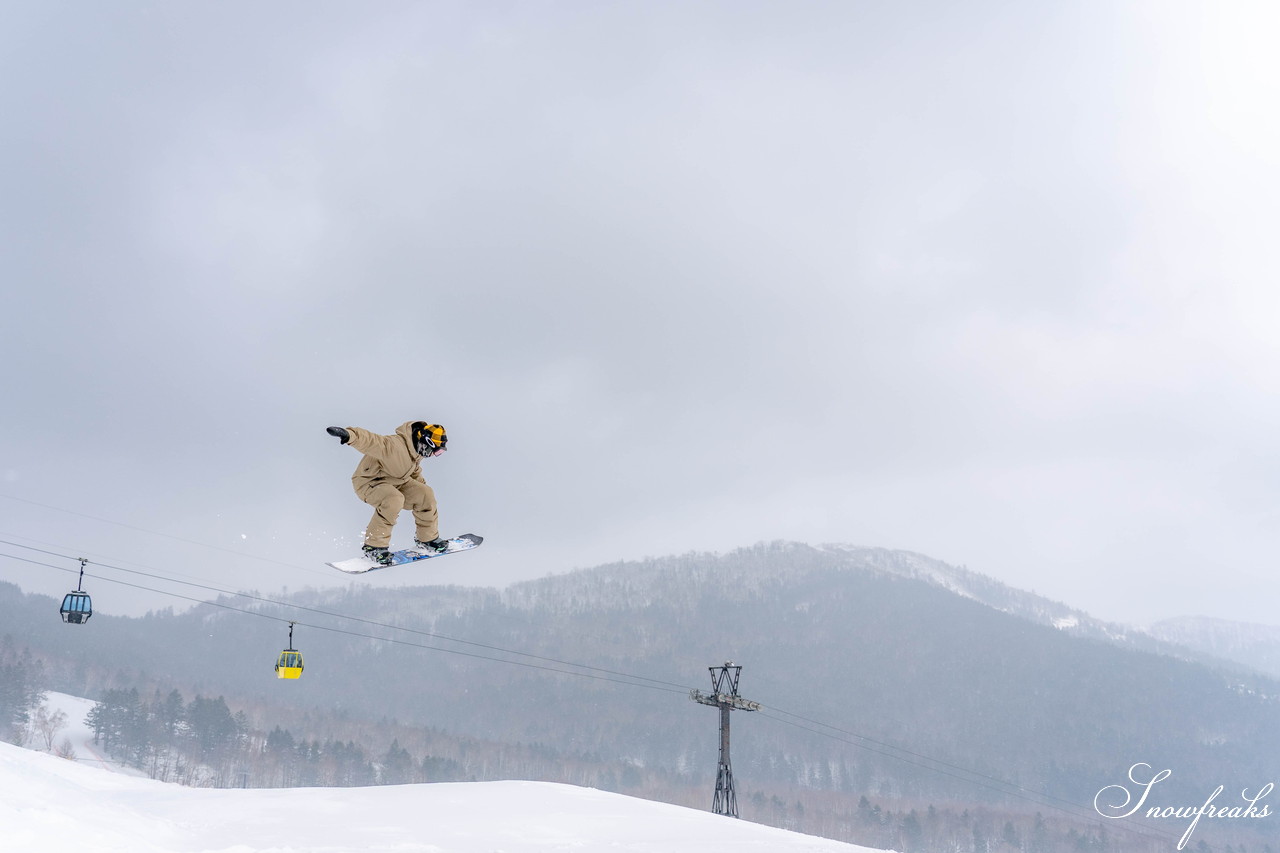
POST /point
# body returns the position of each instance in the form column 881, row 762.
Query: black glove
column 339, row 433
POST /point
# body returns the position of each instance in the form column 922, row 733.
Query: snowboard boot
column 381, row 556
column 436, row 545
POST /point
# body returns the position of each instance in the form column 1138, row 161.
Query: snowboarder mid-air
column 389, row 478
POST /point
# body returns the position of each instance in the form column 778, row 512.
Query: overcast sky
column 993, row 282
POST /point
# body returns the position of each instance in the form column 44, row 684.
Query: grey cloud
column 675, row 275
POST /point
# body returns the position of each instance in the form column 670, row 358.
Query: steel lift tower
column 724, row 681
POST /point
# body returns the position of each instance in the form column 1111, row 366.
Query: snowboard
column 362, row 564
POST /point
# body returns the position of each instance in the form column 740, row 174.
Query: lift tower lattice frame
column 724, row 695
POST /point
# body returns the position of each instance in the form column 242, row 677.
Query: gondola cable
column 394, row 640
column 371, row 622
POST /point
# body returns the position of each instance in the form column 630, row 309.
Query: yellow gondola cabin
column 289, row 664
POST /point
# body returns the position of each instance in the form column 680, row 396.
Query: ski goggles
column 429, row 439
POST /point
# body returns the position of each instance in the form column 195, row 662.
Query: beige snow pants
column 387, row 501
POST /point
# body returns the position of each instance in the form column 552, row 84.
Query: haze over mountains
column 893, row 685
column 1245, row 643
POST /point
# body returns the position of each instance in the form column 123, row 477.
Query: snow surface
column 54, row 805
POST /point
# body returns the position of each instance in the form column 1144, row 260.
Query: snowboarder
column 389, row 478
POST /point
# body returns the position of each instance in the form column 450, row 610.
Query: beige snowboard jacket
column 388, row 459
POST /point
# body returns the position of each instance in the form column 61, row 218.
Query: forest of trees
column 22, row 685
column 202, row 742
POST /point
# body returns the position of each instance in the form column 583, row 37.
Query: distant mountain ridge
column 1198, row 638
column 1250, row 644
column 641, row 577
column 986, row 590
column 1214, row 642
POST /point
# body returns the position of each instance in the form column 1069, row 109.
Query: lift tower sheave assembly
column 724, row 695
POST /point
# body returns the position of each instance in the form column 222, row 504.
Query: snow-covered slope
column 74, row 737
column 54, row 805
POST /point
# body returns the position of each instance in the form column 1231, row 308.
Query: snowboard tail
column 362, row 564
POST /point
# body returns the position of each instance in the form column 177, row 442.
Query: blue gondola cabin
column 77, row 607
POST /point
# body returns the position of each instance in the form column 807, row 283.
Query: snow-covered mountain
column 1252, row 645
column 1195, row 638
column 56, row 805
column 968, row 584
column 770, row 563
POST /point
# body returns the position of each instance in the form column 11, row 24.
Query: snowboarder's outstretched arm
column 384, row 448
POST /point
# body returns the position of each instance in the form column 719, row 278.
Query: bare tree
column 47, row 724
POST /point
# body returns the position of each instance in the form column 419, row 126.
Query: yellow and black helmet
column 429, row 439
